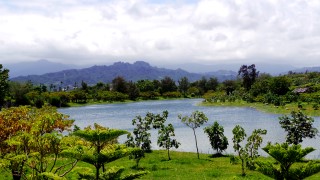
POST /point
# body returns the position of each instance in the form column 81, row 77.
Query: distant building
column 301, row 90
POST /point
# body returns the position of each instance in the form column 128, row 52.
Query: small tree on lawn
column 253, row 143
column 104, row 150
column 165, row 138
column 218, row 140
column 299, row 126
column 286, row 155
column 196, row 119
column 239, row 135
column 141, row 135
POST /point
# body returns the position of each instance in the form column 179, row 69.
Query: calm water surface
column 120, row 116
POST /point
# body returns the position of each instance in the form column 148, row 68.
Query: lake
column 120, row 115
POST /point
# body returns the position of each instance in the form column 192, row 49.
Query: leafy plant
column 165, row 138
column 298, row 126
column 239, row 135
column 286, row 155
column 218, row 140
column 195, row 120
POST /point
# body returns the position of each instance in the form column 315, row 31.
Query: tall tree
column 119, row 84
column 195, row 120
column 298, row 126
column 184, row 85
column 248, row 75
column 133, row 90
column 212, row 84
column 4, row 85
column 168, row 85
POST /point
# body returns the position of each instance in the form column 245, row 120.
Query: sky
column 161, row 32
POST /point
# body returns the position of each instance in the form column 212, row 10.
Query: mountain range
column 46, row 72
column 131, row 72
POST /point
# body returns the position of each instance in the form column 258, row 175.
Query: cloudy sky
column 161, row 31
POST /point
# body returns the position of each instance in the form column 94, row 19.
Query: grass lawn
column 269, row 108
column 183, row 166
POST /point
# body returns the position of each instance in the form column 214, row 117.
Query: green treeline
column 250, row 86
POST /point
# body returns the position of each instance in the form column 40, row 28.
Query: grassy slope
column 183, row 166
column 269, row 108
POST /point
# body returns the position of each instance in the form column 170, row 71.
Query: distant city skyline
column 161, row 32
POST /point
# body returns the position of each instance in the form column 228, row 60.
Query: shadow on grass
column 217, row 155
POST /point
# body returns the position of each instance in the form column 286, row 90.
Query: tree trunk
column 195, row 138
column 97, row 172
column 169, row 154
column 16, row 175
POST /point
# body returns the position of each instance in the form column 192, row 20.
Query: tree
column 286, row 155
column 212, row 84
column 183, row 85
column 217, row 139
column 105, row 149
column 119, row 84
column 168, row 85
column 165, row 138
column 141, row 134
column 299, row 126
column 195, row 120
column 279, row 85
column 33, row 137
column 229, row 86
column 239, row 135
column 4, row 85
column 133, row 90
column 249, row 75
column 254, row 141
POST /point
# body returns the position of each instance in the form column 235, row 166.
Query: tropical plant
column 104, row 149
column 286, row 155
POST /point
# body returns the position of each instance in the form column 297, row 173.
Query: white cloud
column 207, row 31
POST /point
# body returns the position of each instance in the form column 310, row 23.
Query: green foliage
column 217, row 138
column 195, row 120
column 141, row 134
column 286, row 155
column 239, row 135
column 184, row 85
column 298, row 126
column 165, row 139
column 248, row 75
column 34, row 141
column 104, row 150
column 254, row 141
column 4, row 84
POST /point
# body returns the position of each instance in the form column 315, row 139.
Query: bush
column 173, row 94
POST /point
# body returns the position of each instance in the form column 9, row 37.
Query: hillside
column 131, row 72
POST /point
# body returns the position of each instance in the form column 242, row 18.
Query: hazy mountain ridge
column 131, row 72
column 36, row 68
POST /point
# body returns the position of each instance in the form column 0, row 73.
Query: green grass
column 183, row 166
column 269, row 108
